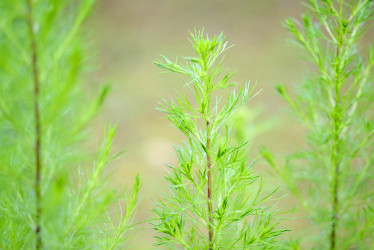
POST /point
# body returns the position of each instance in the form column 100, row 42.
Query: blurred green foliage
column 41, row 63
column 332, row 177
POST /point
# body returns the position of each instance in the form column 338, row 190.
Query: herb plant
column 333, row 176
column 214, row 200
column 47, row 201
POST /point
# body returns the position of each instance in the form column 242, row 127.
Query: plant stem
column 38, row 136
column 335, row 201
column 336, row 173
column 335, row 164
column 209, row 173
column 335, row 149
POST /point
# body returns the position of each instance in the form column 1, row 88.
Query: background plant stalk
column 38, row 136
column 335, row 104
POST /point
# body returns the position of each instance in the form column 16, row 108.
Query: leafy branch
column 214, row 203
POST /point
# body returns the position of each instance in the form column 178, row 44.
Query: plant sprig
column 335, row 104
column 47, row 200
column 214, row 202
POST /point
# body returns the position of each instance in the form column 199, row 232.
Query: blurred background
column 130, row 34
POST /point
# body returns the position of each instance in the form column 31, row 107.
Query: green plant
column 46, row 199
column 214, row 201
column 335, row 104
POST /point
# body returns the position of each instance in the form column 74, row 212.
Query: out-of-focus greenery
column 332, row 176
column 43, row 113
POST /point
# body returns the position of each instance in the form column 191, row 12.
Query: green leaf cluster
column 214, row 200
column 333, row 176
column 76, row 203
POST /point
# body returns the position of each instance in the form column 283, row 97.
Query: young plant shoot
column 335, row 104
column 214, row 200
column 47, row 201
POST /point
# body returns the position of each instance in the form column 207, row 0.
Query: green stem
column 209, row 173
column 336, row 172
column 38, row 135
column 335, row 162
column 335, row 205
